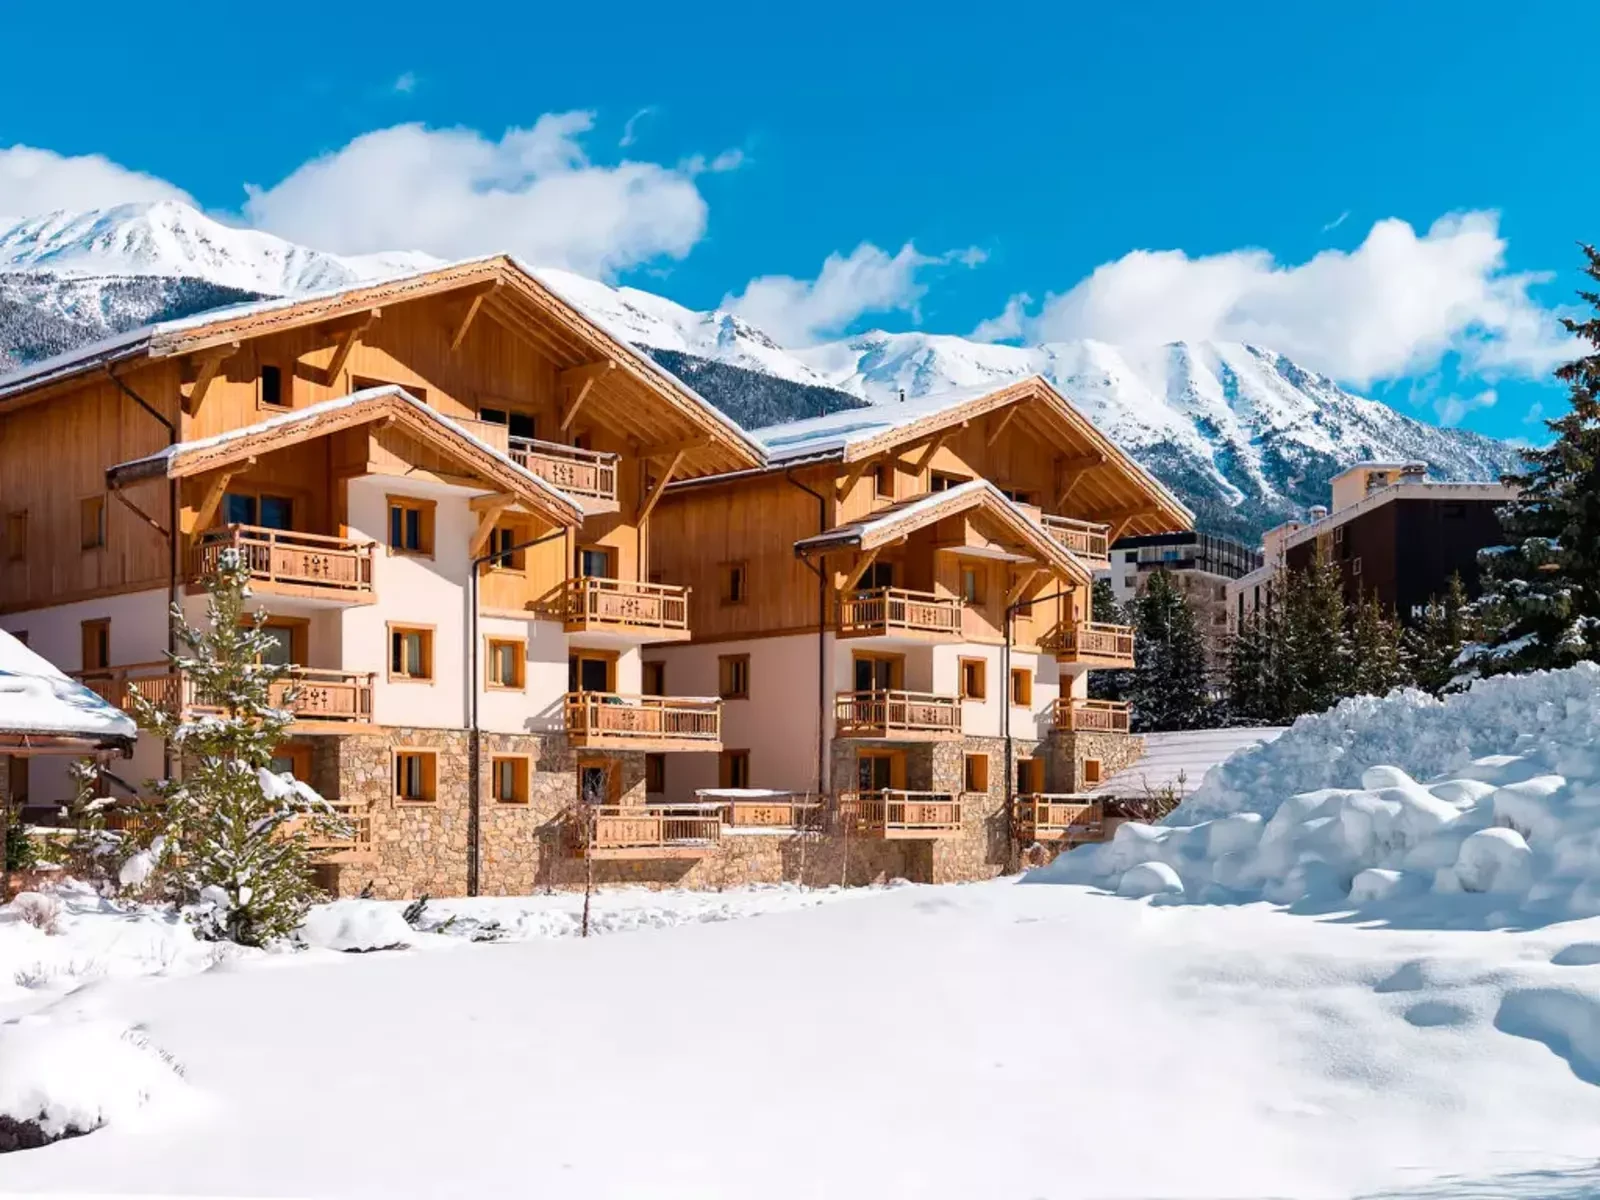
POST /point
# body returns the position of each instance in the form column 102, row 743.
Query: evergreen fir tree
column 1169, row 688
column 1253, row 694
column 1541, row 592
column 237, row 834
column 1434, row 645
column 1315, row 656
column 1104, row 609
column 90, row 852
column 1377, row 658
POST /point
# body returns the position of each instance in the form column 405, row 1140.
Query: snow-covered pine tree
column 1168, row 688
column 90, row 851
column 1104, row 609
column 1377, row 660
column 1316, row 659
column 237, row 833
column 1541, row 592
column 1253, row 693
column 1435, row 643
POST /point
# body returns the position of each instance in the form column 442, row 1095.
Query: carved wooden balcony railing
column 909, row 716
column 594, row 605
column 1095, row 644
column 584, row 473
column 896, row 815
column 1058, row 817
column 743, row 809
column 1089, row 541
column 883, row 612
column 645, row 830
column 324, row 695
column 608, row 721
column 292, row 563
column 1091, row 716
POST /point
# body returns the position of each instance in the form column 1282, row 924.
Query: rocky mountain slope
column 1247, row 436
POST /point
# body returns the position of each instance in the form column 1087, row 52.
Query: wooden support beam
column 933, row 448
column 999, row 427
column 1024, row 582
column 860, row 569
column 473, row 306
column 853, row 478
column 491, row 500
column 1073, row 471
column 487, row 516
column 661, row 485
column 212, row 500
column 210, row 363
column 139, row 512
column 575, row 377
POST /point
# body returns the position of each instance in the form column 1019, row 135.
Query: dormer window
column 272, row 393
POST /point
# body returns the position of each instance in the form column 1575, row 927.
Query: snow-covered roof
column 161, row 462
column 1496, row 493
column 1180, row 760
column 37, row 699
column 836, row 431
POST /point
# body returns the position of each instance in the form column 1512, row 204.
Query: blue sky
column 948, row 162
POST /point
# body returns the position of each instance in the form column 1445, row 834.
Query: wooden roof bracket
column 473, row 306
column 860, row 569
column 582, row 380
column 210, row 363
column 649, row 504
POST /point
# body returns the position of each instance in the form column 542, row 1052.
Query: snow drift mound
column 1483, row 808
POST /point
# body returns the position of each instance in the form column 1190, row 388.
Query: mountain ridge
column 1247, row 436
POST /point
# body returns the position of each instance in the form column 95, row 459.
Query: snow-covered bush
column 237, row 837
column 38, row 909
column 356, row 926
column 1479, row 808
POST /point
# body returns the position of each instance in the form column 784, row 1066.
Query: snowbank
column 356, row 925
column 1483, row 808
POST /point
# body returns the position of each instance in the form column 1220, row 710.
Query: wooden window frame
column 727, row 572
column 655, row 771
column 609, row 657
column 393, row 627
column 508, row 562
column 884, row 477
column 897, row 766
column 611, row 557
column 657, row 669
column 1094, row 772
column 980, row 590
column 285, row 387
column 897, row 666
column 299, row 634
column 427, row 511
column 982, row 692
column 952, row 480
column 612, row 771
column 494, row 641
column 95, row 504
column 1021, row 697
column 299, row 756
column 725, row 768
column 17, row 536
column 94, row 626
column 1033, row 769
column 429, row 776
column 975, row 780
column 521, row 779
column 727, row 665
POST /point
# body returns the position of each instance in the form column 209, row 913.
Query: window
column 411, row 653
column 975, row 773
column 277, row 512
column 654, row 679
column 733, row 676
column 1093, row 772
column 878, row 575
column 598, row 781
column 972, row 585
column 877, row 673
column 508, row 776
column 410, row 525
column 285, row 642
column 1021, row 687
column 655, row 773
column 16, row 536
column 972, row 678
column 940, row 481
column 96, row 642
column 265, row 511
column 1030, row 776
column 92, row 522
column 883, row 480
column 593, row 562
column 1016, row 496
column 506, row 660
column 734, row 583
column 1355, row 565
column 1338, row 535
column 518, row 424
column 733, row 769
column 503, row 556
column 589, row 672
column 292, row 758
column 415, row 776
column 874, row 772
column 272, row 393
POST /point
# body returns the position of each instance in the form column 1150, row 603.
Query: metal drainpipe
column 172, row 537
column 474, row 771
column 822, row 632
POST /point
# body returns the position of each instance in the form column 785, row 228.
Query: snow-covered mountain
column 1248, row 437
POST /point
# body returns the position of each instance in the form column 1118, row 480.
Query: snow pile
column 61, row 1076
column 1483, row 808
column 356, row 925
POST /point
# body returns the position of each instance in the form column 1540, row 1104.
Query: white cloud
column 456, row 193
column 1336, row 222
column 868, row 279
column 406, row 83
column 1452, row 409
column 630, row 130
column 34, row 182
column 1009, row 326
column 1394, row 306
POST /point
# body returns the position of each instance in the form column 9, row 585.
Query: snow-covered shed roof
column 359, row 408
column 42, row 710
column 887, row 525
column 1180, row 760
column 512, row 292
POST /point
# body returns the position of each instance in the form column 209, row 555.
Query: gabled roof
column 890, row 524
column 40, row 708
column 641, row 397
column 1117, row 483
column 389, row 403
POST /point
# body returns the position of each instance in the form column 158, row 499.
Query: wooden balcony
column 1092, row 644
column 771, row 810
column 897, row 716
column 1089, row 541
column 1058, row 817
column 1091, row 716
column 897, row 816
column 897, row 613
column 647, row 831
column 585, row 474
column 655, row 612
column 326, row 697
column 286, row 563
column 607, row 721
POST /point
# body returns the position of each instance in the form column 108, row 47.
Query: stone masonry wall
column 1066, row 751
